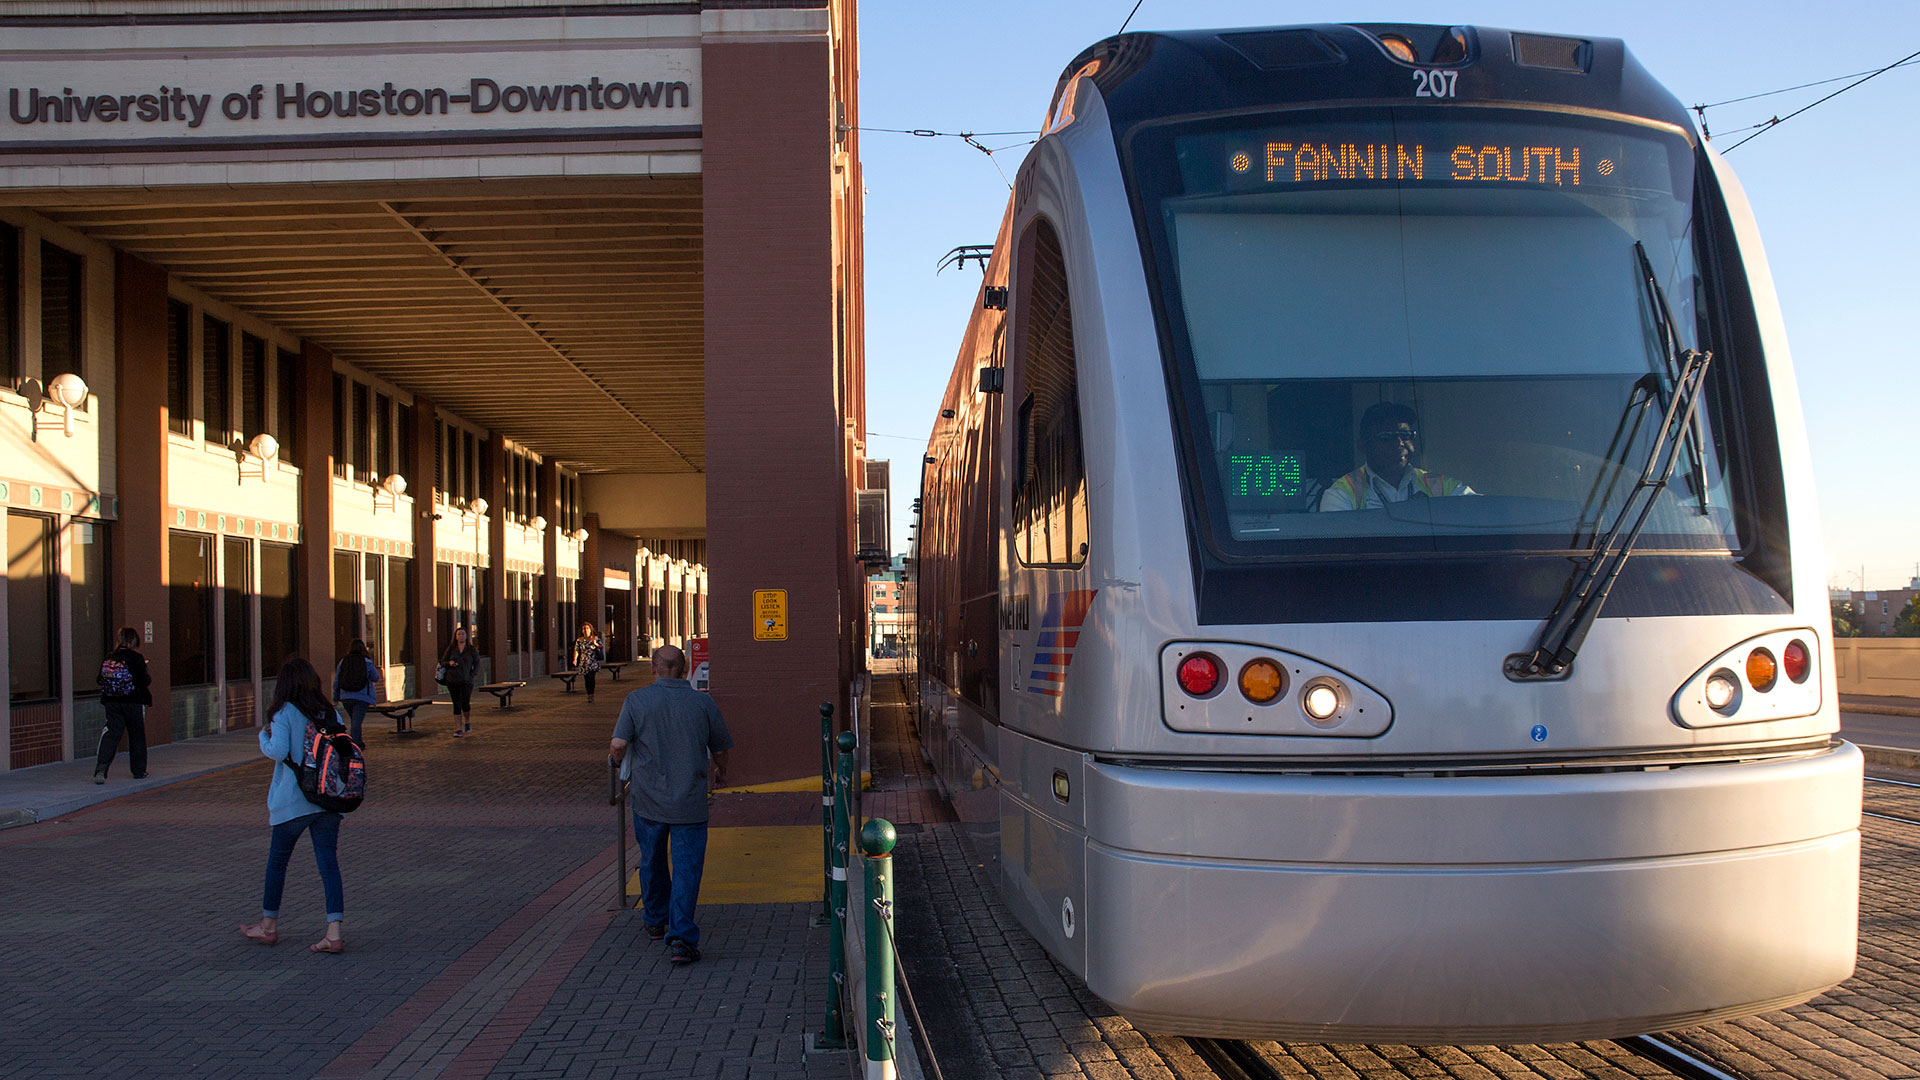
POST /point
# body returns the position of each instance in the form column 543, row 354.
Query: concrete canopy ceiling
column 566, row 314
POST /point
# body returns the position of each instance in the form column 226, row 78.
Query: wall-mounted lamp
column 262, row 450
column 67, row 390
column 538, row 523
column 579, row 535
column 389, row 490
column 478, row 508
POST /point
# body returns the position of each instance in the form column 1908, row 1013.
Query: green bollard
column 834, row 1035
column 877, row 838
column 826, row 808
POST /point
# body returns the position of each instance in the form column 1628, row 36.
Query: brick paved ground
column 997, row 1005
column 483, row 941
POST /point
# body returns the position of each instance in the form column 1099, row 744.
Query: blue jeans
column 356, row 712
column 667, row 896
column 326, row 854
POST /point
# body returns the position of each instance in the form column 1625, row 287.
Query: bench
column 613, row 668
column 503, row 692
column 567, row 677
column 402, row 712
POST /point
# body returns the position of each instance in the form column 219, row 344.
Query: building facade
column 339, row 320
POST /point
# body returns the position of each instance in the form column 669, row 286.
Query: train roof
column 1158, row 75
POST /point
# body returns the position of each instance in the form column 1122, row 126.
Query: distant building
column 1878, row 609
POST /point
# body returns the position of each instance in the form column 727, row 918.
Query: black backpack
column 353, row 673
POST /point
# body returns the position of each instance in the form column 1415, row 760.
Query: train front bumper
column 1469, row 909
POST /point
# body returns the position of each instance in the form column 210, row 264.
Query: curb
column 1891, row 757
column 13, row 817
column 1879, row 710
column 10, row 818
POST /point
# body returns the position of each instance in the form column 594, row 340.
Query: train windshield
column 1404, row 333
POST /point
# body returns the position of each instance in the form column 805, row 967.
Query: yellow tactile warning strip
column 804, row 783
column 757, row 864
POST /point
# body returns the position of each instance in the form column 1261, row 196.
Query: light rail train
column 1275, row 603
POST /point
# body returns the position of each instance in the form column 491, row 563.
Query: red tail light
column 1199, row 675
column 1796, row 661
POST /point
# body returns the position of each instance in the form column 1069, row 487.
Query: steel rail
column 1896, row 783
column 1682, row 1061
column 1233, row 1060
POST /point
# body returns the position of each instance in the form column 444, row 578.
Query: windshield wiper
column 1567, row 628
column 1670, row 344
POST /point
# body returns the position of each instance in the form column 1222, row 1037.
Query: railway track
column 1232, row 1060
column 1891, row 817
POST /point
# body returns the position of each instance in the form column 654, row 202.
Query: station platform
column 485, row 935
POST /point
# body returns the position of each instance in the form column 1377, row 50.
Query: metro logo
column 1059, row 634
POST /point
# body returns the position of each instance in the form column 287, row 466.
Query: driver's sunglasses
column 1407, row 435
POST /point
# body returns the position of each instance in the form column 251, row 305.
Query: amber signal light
column 1199, row 675
column 1262, row 682
column 1762, row 671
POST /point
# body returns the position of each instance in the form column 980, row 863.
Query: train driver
column 1389, row 440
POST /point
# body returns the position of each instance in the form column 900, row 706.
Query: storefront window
column 373, row 619
column 190, row 607
column 400, row 610
column 236, row 592
column 91, row 599
column 32, row 624
column 279, row 606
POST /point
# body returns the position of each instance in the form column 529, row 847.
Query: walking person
column 460, row 669
column 124, row 695
column 353, row 684
column 676, row 738
column 588, row 653
column 297, row 701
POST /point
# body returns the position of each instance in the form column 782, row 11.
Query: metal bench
column 566, row 677
column 503, row 692
column 613, row 668
column 402, row 712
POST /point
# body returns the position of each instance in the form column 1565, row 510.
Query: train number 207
column 1434, row 83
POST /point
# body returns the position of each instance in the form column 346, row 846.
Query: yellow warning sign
column 770, row 615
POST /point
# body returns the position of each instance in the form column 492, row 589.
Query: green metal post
column 826, row 808
column 833, row 1036
column 877, row 838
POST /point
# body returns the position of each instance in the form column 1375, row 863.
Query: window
column 539, row 613
column 362, row 433
column 383, row 436
column 32, row 619
column 179, row 348
column 1050, row 476
column 279, row 606
column 236, row 576
column 373, row 608
column 341, row 422
column 346, row 602
column 10, row 302
column 404, row 449
column 469, row 471
column 253, row 386
column 62, row 286
column 400, row 611
column 92, row 597
column 443, row 608
column 286, row 427
column 190, row 607
column 216, row 354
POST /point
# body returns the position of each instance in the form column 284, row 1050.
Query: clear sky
column 1834, row 191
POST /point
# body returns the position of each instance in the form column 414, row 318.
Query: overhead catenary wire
column 971, row 138
column 1776, row 121
column 1130, row 15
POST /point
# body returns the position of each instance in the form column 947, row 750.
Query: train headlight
column 1199, row 675
column 1321, row 700
column 1762, row 672
column 1262, row 681
column 1721, row 690
column 1796, row 660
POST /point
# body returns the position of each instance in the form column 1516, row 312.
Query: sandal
column 329, row 945
column 264, row 936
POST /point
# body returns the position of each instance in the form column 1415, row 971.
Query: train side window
column 1050, row 476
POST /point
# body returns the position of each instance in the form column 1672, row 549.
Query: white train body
column 1455, row 855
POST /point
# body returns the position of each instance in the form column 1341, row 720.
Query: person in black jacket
column 124, row 695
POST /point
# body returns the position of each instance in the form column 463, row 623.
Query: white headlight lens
column 1321, row 701
column 1720, row 691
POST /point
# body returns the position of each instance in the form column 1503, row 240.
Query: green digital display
column 1263, row 475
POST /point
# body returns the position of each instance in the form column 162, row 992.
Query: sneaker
column 139, row 776
column 99, row 778
column 655, row 933
column 679, row 952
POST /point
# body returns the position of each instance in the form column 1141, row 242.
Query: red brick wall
column 776, row 496
column 140, row 429
column 35, row 734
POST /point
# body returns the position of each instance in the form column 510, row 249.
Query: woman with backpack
column 125, row 697
column 353, row 683
column 460, row 669
column 588, row 654
column 298, row 702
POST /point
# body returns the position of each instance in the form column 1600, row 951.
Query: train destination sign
column 1611, row 158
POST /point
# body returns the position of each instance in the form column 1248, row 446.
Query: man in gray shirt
column 676, row 736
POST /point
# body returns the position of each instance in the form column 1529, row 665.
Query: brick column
column 420, row 481
column 316, row 509
column 493, row 488
column 549, row 613
column 775, row 494
column 140, row 433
